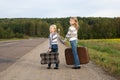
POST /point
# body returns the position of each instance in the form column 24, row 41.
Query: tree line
column 90, row 27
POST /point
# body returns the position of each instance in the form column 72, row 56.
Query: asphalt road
column 28, row 67
column 11, row 51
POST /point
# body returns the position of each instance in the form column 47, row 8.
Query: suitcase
column 49, row 58
column 82, row 54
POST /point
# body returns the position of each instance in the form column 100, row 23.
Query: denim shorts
column 54, row 48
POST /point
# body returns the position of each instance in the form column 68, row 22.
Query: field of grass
column 104, row 52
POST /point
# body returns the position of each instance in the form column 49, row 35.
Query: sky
column 59, row 8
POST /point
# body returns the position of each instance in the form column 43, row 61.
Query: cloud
column 59, row 8
column 106, row 13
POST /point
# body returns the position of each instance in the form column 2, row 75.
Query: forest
column 90, row 27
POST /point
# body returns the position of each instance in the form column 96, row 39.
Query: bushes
column 22, row 27
column 19, row 35
column 8, row 33
column 90, row 27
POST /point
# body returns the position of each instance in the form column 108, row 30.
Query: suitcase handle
column 49, row 52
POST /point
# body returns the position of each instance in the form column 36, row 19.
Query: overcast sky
column 59, row 8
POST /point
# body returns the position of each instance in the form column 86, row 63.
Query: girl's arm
column 68, row 34
column 60, row 39
column 49, row 45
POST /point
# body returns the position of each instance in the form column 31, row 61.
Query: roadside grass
column 104, row 52
column 9, row 39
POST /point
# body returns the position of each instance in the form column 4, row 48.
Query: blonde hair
column 76, row 25
column 55, row 27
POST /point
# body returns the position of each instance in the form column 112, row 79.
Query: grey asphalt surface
column 11, row 51
column 28, row 67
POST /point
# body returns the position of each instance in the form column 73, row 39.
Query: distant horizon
column 57, row 17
